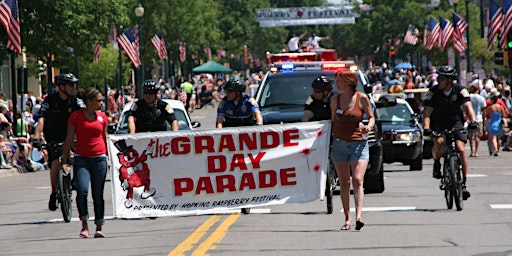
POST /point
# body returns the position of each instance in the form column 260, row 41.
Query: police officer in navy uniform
column 445, row 107
column 53, row 123
column 150, row 113
column 238, row 109
column 318, row 104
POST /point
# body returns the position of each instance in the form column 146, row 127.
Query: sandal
column 346, row 227
column 84, row 233
column 99, row 234
column 359, row 225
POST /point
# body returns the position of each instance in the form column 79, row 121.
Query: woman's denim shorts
column 346, row 151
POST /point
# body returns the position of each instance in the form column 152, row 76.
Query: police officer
column 53, row 123
column 318, row 104
column 150, row 113
column 238, row 109
column 446, row 104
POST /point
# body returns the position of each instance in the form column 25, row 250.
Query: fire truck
column 282, row 93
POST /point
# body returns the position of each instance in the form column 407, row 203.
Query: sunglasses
column 317, row 91
column 150, row 92
column 440, row 79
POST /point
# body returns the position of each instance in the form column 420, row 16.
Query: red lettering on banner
column 266, row 136
column 286, row 176
column 226, row 141
column 183, row 185
column 217, row 163
column 238, row 161
column 288, row 136
column 180, row 146
column 247, row 181
column 225, row 182
column 204, row 143
column 256, row 161
column 231, row 183
column 249, row 142
column 204, row 184
column 267, row 179
column 165, row 149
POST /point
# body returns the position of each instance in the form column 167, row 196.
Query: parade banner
column 211, row 171
column 303, row 16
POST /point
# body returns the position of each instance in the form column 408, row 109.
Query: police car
column 284, row 89
column 180, row 113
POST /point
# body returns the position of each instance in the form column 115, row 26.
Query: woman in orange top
column 349, row 148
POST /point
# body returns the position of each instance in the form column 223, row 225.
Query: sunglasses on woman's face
column 150, row 92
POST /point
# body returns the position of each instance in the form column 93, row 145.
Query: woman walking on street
column 90, row 162
column 349, row 148
column 498, row 116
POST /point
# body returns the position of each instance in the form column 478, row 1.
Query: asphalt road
column 409, row 218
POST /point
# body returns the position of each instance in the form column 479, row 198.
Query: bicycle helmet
column 150, row 85
column 66, row 78
column 322, row 83
column 234, row 85
column 447, row 71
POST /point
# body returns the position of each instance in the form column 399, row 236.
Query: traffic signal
column 498, row 58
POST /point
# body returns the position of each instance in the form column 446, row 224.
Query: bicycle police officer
column 238, row 109
column 445, row 107
column 150, row 113
column 53, row 122
column 318, row 104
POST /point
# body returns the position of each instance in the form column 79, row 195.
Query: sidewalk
column 8, row 172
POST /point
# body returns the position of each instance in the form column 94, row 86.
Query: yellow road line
column 216, row 236
column 195, row 236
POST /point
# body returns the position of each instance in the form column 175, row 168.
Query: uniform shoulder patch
column 169, row 109
column 253, row 102
column 45, row 106
column 309, row 100
column 429, row 95
column 134, row 107
column 464, row 92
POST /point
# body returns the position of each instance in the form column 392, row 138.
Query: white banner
column 210, row 171
column 275, row 17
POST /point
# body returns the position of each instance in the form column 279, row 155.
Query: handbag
column 484, row 135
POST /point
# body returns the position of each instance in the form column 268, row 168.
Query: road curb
column 9, row 172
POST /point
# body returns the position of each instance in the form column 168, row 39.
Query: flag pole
column 14, row 95
column 120, row 62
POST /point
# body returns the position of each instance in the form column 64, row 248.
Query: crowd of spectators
column 388, row 80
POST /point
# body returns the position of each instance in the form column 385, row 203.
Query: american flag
column 446, row 32
column 97, row 48
column 409, row 37
column 11, row 22
column 221, row 53
column 507, row 24
column 129, row 42
column 461, row 27
column 112, row 37
column 208, row 52
column 434, row 33
column 495, row 24
column 183, row 51
column 183, row 96
column 159, row 44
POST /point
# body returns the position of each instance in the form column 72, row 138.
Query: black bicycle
column 330, row 186
column 452, row 180
column 64, row 187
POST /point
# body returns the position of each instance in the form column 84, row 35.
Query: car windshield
column 290, row 91
column 398, row 114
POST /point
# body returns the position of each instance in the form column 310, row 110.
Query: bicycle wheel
column 330, row 185
column 456, row 185
column 64, row 195
column 447, row 180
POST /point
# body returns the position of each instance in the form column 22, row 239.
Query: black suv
column 281, row 97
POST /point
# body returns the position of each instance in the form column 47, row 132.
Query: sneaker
column 465, row 193
column 52, row 204
column 436, row 173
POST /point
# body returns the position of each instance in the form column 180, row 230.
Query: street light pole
column 457, row 64
column 468, row 57
column 139, row 12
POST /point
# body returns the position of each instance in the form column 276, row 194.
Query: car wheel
column 417, row 164
column 375, row 183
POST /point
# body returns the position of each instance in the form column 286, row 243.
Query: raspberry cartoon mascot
column 134, row 171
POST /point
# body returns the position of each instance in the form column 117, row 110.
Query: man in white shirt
column 314, row 40
column 478, row 102
column 293, row 43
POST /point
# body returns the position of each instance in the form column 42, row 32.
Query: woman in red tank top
column 349, row 149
